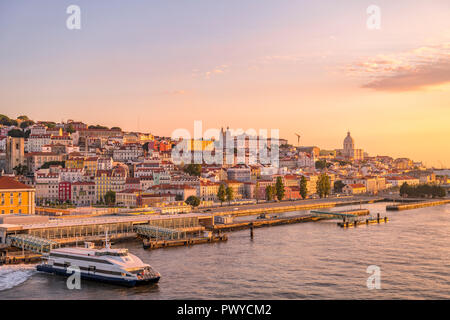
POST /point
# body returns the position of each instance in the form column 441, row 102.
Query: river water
column 315, row 260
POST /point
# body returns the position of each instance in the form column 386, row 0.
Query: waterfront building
column 209, row 190
column 182, row 191
column 354, row 188
column 47, row 186
column 397, row 181
column 238, row 188
column 16, row 197
column 83, row 193
column 64, row 191
column 109, row 180
column 128, row 197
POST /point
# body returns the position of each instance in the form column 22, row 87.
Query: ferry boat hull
column 98, row 278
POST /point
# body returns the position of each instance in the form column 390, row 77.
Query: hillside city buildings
column 80, row 165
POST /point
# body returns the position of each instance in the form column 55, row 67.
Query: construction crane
column 298, row 139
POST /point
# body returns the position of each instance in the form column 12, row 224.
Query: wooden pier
column 156, row 244
column 416, row 205
column 355, row 223
column 18, row 257
column 296, row 206
column 262, row 223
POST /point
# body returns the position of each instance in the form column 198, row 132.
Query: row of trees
column 278, row 191
column 225, row 193
column 323, row 185
column 422, row 191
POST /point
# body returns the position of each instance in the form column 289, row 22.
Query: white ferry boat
column 116, row 266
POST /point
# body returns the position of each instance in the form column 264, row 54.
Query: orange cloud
column 412, row 70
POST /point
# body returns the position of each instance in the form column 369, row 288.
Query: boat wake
column 14, row 275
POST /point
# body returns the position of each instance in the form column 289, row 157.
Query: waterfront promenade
column 287, row 205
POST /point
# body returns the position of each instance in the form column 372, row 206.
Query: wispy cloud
column 175, row 92
column 224, row 68
column 412, row 70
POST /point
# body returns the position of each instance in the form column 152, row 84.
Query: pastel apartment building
column 16, row 197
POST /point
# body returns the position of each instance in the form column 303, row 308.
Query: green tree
column 303, row 187
column 279, row 189
column 25, row 124
column 110, row 197
column 222, row 194
column 70, row 129
column 21, row 170
column 230, row 194
column 193, row 201
column 257, row 192
column 323, row 185
column 6, row 121
column 98, row 127
column 338, row 185
column 270, row 193
column 193, row 169
column 16, row 133
column 47, row 164
column 321, row 164
column 404, row 189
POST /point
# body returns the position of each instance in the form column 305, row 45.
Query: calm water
column 301, row 261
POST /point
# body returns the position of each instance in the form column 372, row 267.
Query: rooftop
column 8, row 183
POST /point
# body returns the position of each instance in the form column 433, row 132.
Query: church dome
column 348, row 141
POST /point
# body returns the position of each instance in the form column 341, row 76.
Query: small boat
column 116, row 266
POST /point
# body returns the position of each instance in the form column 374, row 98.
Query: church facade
column 349, row 152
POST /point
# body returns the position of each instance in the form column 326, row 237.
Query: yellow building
column 89, row 164
column 74, row 163
column 16, row 197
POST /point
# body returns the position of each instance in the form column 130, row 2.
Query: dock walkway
column 416, row 205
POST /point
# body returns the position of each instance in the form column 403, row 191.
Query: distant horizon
column 224, row 126
column 315, row 69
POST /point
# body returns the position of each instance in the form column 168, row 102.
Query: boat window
column 136, row 271
column 112, row 254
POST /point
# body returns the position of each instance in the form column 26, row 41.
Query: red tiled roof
column 10, row 183
column 356, row 185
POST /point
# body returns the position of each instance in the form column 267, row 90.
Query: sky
column 307, row 67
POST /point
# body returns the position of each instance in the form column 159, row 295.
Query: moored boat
column 116, row 266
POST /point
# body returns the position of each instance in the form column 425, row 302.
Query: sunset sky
column 311, row 67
